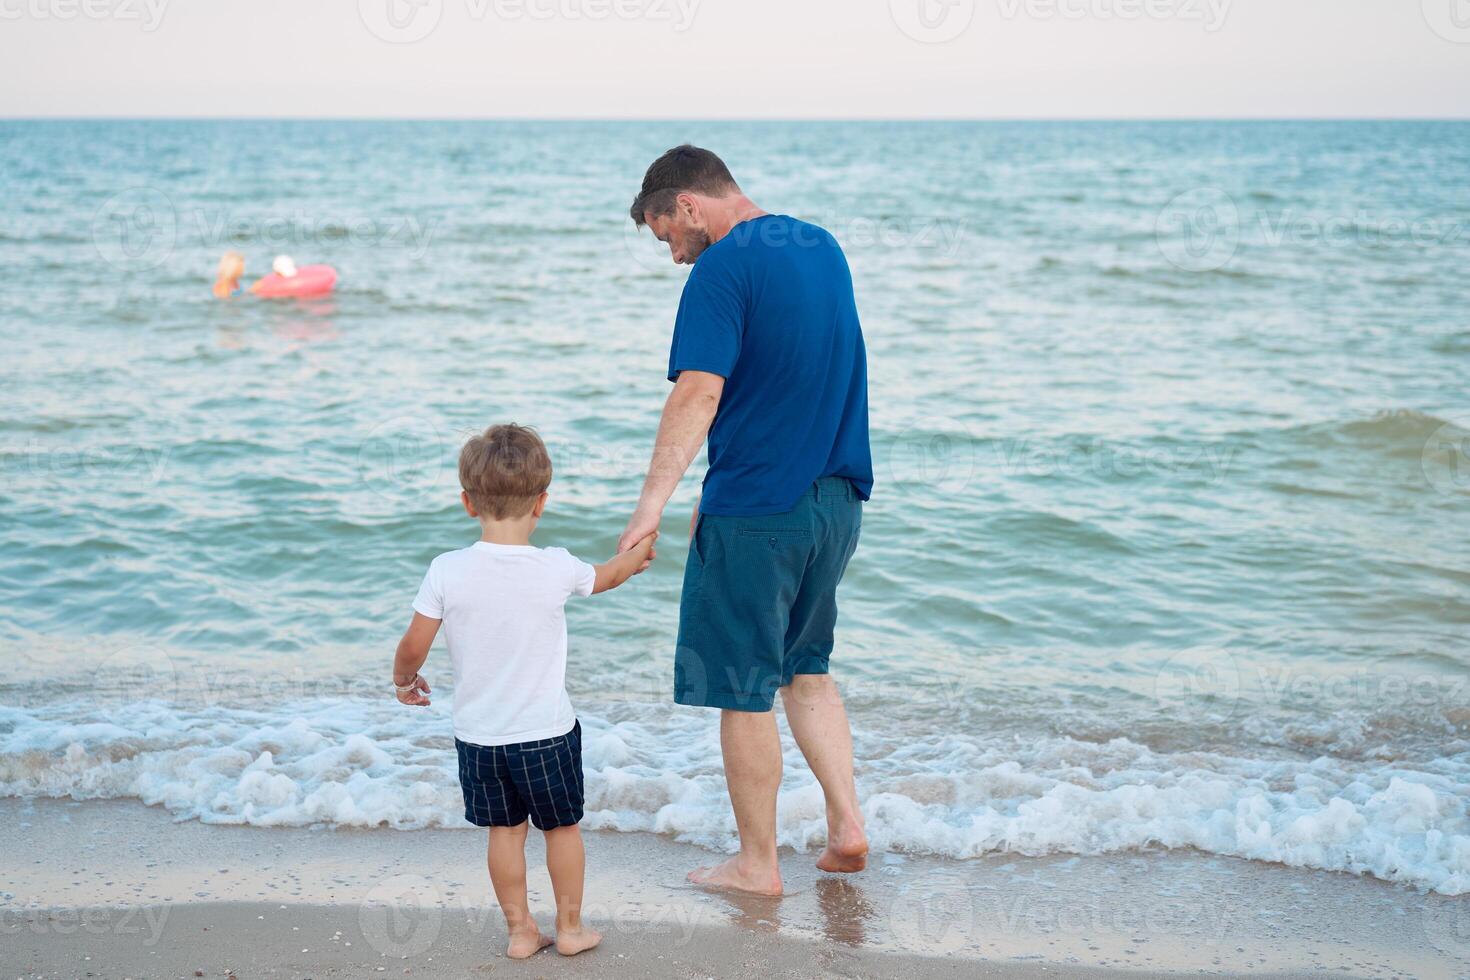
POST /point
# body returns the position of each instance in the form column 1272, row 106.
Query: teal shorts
column 760, row 598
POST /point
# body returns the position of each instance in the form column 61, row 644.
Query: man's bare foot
column 572, row 942
column 847, row 849
column 732, row 875
column 526, row 943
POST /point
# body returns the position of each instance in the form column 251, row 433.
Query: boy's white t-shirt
column 504, row 622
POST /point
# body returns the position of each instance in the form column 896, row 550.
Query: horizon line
column 730, row 119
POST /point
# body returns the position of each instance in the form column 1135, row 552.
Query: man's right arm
column 688, row 414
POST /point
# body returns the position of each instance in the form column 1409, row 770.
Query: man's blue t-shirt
column 770, row 308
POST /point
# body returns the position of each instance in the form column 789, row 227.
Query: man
column 768, row 361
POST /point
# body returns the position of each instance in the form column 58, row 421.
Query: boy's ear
column 537, row 510
column 469, row 508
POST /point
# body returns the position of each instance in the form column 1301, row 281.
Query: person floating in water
column 227, row 280
column 285, row 280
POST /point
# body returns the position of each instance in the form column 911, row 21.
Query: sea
column 1168, row 547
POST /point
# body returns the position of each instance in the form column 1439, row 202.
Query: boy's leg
column 566, row 860
column 507, row 861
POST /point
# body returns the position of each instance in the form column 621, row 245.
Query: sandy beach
column 116, row 889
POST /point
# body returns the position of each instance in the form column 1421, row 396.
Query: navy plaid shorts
column 503, row 784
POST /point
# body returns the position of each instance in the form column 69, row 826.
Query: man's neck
column 729, row 212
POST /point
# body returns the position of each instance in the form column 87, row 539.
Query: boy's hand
column 639, row 528
column 415, row 693
column 625, row 564
column 644, row 550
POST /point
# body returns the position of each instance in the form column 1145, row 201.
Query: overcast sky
column 736, row 58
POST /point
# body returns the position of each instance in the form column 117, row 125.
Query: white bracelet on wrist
column 407, row 687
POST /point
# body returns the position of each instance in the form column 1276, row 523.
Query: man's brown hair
column 504, row 469
column 679, row 171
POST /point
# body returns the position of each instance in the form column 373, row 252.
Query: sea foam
column 347, row 762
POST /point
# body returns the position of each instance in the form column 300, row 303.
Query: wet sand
column 115, row 889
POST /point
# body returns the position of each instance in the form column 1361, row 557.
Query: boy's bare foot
column 847, row 849
column 526, row 943
column 733, row 876
column 572, row 942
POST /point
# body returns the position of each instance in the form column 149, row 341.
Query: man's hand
column 640, row 526
column 417, row 692
column 685, row 422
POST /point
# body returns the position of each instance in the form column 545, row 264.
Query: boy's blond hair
column 504, row 469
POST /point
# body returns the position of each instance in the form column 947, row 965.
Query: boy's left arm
column 413, row 650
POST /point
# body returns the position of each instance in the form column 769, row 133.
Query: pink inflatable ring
column 310, row 280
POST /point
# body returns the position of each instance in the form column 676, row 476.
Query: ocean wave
column 355, row 763
column 1400, row 433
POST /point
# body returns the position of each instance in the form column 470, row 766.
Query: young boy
column 519, row 743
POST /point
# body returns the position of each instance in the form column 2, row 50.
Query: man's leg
column 752, row 751
column 819, row 721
